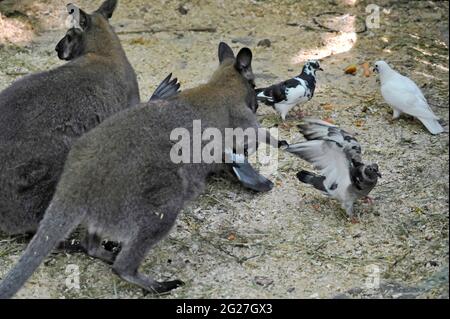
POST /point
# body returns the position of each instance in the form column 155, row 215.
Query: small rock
column 266, row 43
column 291, row 289
column 183, row 10
column 263, row 281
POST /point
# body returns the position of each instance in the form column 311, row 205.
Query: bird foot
column 285, row 126
column 368, row 200
column 354, row 220
column 299, row 114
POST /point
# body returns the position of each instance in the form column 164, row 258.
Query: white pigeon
column 404, row 96
column 337, row 155
column 285, row 95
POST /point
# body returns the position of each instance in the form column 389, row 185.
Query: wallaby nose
column 58, row 47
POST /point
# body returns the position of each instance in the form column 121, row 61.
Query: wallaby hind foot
column 130, row 258
column 92, row 244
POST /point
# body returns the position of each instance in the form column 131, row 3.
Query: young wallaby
column 41, row 115
column 119, row 180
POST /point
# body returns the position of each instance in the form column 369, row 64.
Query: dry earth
column 290, row 242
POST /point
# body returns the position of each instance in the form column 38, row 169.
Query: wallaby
column 68, row 49
column 119, row 180
column 41, row 115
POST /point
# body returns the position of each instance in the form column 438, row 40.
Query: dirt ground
column 290, row 242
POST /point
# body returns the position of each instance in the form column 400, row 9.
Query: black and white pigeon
column 166, row 89
column 337, row 155
column 287, row 94
column 240, row 165
column 404, row 96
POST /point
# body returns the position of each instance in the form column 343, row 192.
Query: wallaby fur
column 42, row 115
column 119, row 181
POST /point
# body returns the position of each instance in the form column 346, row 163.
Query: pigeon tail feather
column 432, row 125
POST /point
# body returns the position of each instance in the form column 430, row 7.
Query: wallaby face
column 43, row 114
column 95, row 34
column 72, row 45
column 120, row 181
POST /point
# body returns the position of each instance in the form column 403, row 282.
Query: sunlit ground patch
column 333, row 42
column 14, row 31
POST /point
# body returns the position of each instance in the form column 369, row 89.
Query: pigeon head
column 311, row 66
column 381, row 66
column 372, row 172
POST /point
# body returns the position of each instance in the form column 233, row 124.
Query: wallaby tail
column 55, row 226
column 432, row 125
column 312, row 179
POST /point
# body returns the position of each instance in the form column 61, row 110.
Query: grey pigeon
column 404, row 96
column 337, row 155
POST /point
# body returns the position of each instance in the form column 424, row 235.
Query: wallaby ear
column 79, row 17
column 225, row 52
column 84, row 20
column 244, row 59
column 107, row 8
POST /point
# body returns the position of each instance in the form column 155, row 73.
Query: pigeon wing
column 166, row 89
column 313, row 129
column 272, row 94
column 246, row 174
column 330, row 159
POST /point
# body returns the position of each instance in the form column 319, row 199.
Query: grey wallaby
column 41, row 116
column 71, row 45
column 119, row 180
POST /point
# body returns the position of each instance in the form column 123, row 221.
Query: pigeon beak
column 320, row 69
column 375, row 70
column 379, row 174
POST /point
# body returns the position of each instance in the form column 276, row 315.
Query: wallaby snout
column 60, row 50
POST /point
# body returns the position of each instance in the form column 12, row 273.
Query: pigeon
column 239, row 164
column 337, row 155
column 285, row 95
column 166, row 89
column 246, row 174
column 404, row 96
